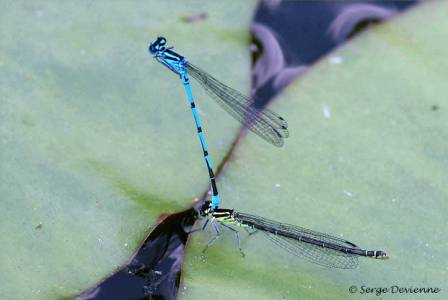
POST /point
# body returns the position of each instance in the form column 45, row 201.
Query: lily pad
column 366, row 161
column 98, row 138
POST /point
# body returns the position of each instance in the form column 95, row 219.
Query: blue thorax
column 171, row 59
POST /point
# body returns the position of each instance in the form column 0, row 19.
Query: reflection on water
column 288, row 36
column 154, row 272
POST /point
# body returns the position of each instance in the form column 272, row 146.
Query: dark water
column 293, row 35
column 154, row 272
column 288, row 37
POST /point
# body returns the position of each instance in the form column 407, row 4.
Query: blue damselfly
column 265, row 123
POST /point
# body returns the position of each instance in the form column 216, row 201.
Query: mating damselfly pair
column 319, row 248
column 265, row 123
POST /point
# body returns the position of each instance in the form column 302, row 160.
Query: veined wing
column 264, row 122
column 289, row 237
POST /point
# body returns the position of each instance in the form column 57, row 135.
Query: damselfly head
column 157, row 45
column 205, row 208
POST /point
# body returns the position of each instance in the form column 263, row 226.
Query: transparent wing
column 315, row 254
column 264, row 122
column 288, row 236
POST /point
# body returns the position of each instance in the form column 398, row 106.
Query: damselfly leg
column 217, row 231
column 237, row 236
column 200, row 228
column 217, row 235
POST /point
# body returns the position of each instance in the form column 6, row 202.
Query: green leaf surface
column 97, row 137
column 366, row 160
